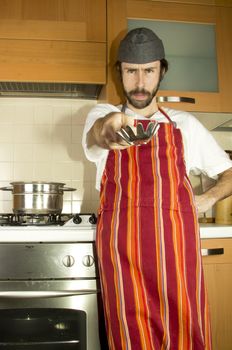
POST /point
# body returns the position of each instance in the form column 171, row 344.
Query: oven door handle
column 46, row 294
column 59, row 342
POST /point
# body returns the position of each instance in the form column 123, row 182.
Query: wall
column 40, row 140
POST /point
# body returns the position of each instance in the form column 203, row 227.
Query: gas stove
column 48, row 227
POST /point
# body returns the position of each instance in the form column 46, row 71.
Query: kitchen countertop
column 39, row 234
column 72, row 234
column 215, row 231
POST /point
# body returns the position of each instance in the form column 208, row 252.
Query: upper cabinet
column 198, row 47
column 53, row 40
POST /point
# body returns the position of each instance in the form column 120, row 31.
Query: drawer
column 216, row 250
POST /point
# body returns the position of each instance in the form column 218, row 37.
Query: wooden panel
column 116, row 29
column 25, row 60
column 217, row 272
column 79, row 19
column 198, row 2
column 170, row 11
column 219, row 286
column 218, row 243
column 204, row 102
column 49, row 30
column 224, row 49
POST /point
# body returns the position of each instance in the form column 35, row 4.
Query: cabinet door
column 53, row 41
column 218, row 272
column 73, row 20
column 220, row 17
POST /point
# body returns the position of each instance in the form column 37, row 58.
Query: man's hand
column 221, row 190
column 103, row 132
column 204, row 202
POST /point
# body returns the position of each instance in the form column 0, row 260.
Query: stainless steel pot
column 37, row 197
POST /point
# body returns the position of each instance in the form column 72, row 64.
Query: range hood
column 57, row 90
column 227, row 126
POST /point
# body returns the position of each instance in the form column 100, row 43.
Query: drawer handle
column 212, row 251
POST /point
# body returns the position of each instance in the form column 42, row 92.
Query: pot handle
column 68, row 189
column 6, row 188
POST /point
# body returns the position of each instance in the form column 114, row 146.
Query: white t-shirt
column 201, row 152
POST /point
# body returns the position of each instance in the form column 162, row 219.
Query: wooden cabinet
column 209, row 13
column 53, row 40
column 218, row 272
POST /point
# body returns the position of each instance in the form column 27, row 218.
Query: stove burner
column 42, row 219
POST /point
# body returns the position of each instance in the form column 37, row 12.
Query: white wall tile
column 80, row 111
column 6, row 152
column 61, row 152
column 62, row 134
column 77, row 132
column 23, row 133
column 77, row 153
column 62, row 115
column 23, row 152
column 62, row 171
column 43, row 152
column 8, row 113
column 5, row 195
column 76, row 207
column 83, row 191
column 23, row 171
column 6, row 133
column 6, row 171
column 42, row 171
column 24, row 114
column 42, row 133
column 67, row 207
column 43, row 113
column 5, row 206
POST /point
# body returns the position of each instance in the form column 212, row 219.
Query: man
column 148, row 235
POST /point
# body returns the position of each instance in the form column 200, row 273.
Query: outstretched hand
column 103, row 132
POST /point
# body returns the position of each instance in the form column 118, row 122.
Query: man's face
column 140, row 82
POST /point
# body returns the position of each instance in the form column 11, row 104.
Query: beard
column 144, row 103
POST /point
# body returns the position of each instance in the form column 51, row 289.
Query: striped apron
column 148, row 248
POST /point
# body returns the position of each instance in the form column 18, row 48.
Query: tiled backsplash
column 40, row 140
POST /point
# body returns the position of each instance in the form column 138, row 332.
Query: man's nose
column 140, row 80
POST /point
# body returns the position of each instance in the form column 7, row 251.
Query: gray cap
column 141, row 45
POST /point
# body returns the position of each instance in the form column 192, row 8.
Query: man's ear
column 162, row 73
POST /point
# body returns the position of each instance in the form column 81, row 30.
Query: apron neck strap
column 124, row 107
column 166, row 116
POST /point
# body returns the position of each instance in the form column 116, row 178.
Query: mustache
column 139, row 91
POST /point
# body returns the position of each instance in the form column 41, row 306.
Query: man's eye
column 149, row 70
column 131, row 71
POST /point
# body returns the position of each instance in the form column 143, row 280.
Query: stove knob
column 68, row 261
column 93, row 219
column 88, row 260
column 77, row 219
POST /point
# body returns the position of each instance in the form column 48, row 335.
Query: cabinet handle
column 212, row 251
column 175, row 99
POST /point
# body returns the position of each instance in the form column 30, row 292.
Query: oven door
column 50, row 315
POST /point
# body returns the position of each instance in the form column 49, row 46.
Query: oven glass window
column 43, row 329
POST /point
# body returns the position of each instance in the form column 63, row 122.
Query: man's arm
column 221, row 190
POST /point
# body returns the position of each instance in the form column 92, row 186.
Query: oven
column 49, row 286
